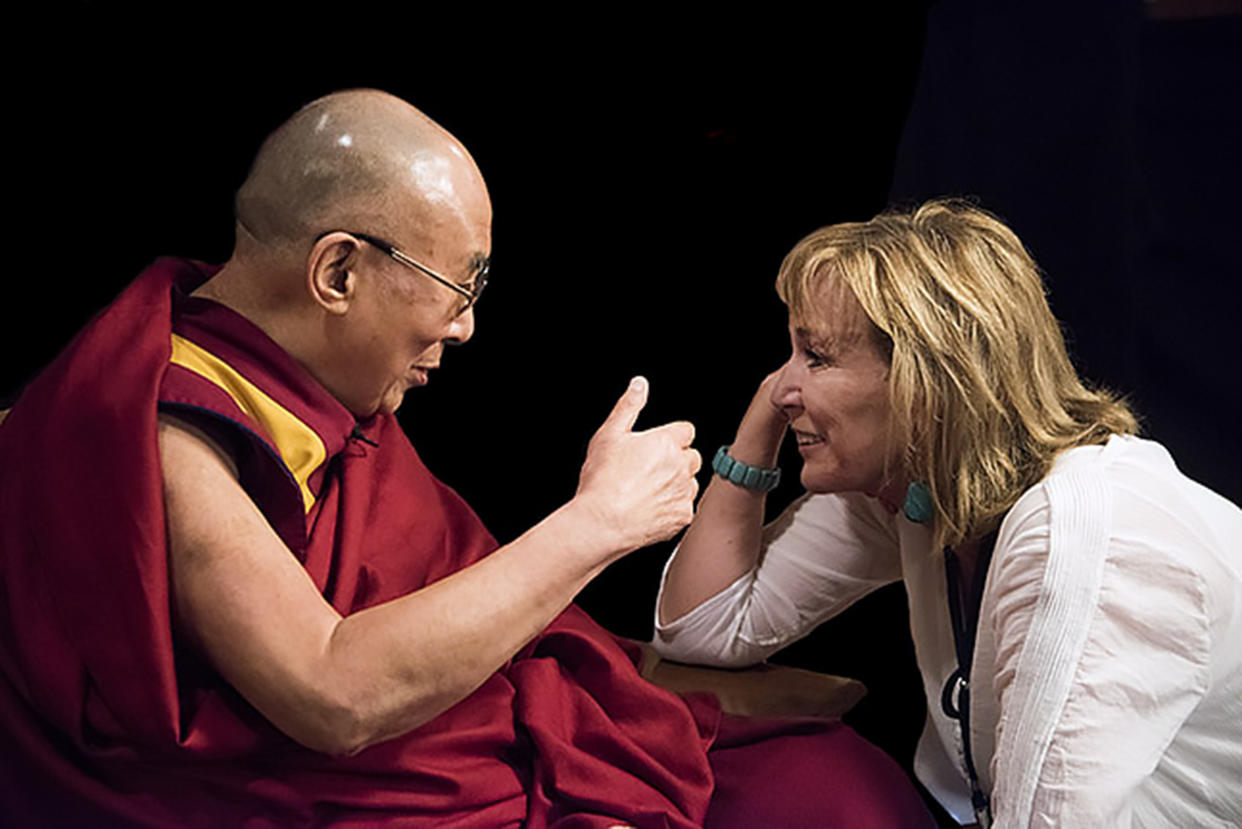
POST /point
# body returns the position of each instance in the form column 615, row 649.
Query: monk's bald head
column 359, row 160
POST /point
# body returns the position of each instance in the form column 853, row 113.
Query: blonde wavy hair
column 982, row 390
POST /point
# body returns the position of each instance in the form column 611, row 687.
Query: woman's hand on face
column 767, row 404
column 763, row 426
column 769, row 391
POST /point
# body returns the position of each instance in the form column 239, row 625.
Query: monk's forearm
column 724, row 539
column 409, row 660
column 338, row 685
column 402, row 663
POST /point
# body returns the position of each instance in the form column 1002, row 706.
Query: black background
column 648, row 172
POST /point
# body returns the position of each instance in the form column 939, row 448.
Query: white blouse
column 1106, row 688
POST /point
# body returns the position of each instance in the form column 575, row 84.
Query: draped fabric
column 108, row 717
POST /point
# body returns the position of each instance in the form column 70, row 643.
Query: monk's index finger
column 631, row 402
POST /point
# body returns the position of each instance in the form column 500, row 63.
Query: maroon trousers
column 807, row 773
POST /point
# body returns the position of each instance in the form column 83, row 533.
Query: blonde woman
column 1075, row 601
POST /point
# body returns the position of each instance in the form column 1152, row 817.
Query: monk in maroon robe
column 230, row 592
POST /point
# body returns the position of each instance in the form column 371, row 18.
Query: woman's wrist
column 758, row 439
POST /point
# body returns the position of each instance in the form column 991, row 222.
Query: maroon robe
column 107, row 717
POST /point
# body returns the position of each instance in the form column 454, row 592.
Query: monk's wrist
column 589, row 540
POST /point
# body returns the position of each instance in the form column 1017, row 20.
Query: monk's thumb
column 623, row 415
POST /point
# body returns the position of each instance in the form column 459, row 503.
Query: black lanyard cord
column 964, row 616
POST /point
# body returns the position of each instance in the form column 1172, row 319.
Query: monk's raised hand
column 639, row 486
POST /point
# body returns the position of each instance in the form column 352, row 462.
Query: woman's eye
column 815, row 358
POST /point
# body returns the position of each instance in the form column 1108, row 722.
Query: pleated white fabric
column 1107, row 680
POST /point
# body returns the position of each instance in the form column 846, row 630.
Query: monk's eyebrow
column 479, row 262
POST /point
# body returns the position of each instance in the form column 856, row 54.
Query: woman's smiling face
column 834, row 389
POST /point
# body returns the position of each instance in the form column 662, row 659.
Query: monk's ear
column 330, row 271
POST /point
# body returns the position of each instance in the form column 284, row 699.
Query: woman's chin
column 819, row 483
column 822, row 482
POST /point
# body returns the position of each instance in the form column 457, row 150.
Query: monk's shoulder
column 184, row 440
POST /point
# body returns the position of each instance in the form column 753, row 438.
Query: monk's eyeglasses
column 482, row 267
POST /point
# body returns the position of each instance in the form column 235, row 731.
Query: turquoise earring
column 919, row 507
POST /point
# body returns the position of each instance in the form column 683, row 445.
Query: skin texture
column 833, row 395
column 834, row 391
column 368, row 328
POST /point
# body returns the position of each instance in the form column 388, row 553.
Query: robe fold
column 107, row 717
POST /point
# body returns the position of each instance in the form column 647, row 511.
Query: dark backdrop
column 647, row 175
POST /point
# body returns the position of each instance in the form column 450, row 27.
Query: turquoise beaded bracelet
column 755, row 478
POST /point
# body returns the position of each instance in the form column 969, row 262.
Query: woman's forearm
column 724, row 540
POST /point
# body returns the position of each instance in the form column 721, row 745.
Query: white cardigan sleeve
column 1102, row 652
column 822, row 554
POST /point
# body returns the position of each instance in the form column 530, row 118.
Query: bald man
column 231, row 592
column 368, row 323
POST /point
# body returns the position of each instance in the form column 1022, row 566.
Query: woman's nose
column 787, row 392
